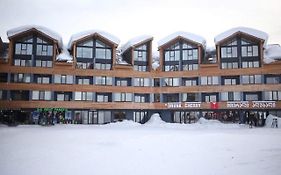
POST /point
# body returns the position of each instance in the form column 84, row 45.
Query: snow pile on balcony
column 155, row 119
column 46, row 31
column 155, row 60
column 136, row 40
column 64, row 56
column 269, row 120
column 253, row 32
column 272, row 53
column 84, row 34
column 185, row 35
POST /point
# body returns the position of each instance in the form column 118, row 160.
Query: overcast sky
column 129, row 18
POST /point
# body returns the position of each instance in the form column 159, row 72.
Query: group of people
column 46, row 118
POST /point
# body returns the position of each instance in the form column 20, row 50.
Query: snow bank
column 155, row 119
column 64, row 56
column 204, row 121
column 134, row 41
column 186, row 35
column 272, row 53
column 83, row 34
column 269, row 120
column 46, row 31
column 256, row 33
column 124, row 123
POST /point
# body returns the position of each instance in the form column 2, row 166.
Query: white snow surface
column 250, row 31
column 155, row 65
column 83, row 34
column 64, row 56
column 269, row 120
column 134, row 41
column 186, row 35
column 272, row 53
column 131, row 148
column 45, row 30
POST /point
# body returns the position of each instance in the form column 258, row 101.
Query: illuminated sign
column 51, row 109
column 253, row 104
column 175, row 105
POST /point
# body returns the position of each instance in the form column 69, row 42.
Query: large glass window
column 123, row 97
column 212, row 97
column 272, row 95
column 190, row 97
column 41, row 95
column 209, row 80
column 140, row 53
column 63, row 79
column 171, row 82
column 251, row 79
column 230, row 96
column 103, row 51
column 103, row 80
column 141, row 98
column 84, row 96
column 141, row 81
column 272, row 79
column 24, row 46
column 139, row 116
column 190, row 82
column 43, row 48
column 103, row 97
column 229, row 50
column 83, row 80
column 22, row 78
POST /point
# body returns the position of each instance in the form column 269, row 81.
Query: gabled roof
column 136, row 41
column 19, row 30
column 185, row 35
column 84, row 34
column 249, row 31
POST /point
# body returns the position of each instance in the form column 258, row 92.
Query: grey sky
column 129, row 18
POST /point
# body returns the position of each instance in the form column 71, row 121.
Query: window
column 104, row 117
column 190, row 82
column 84, row 52
column 21, row 62
column 252, row 96
column 41, row 95
column 229, row 52
column 24, row 47
column 141, row 82
column 83, row 80
column 141, row 98
column 103, row 97
column 171, row 68
column 190, row 97
column 171, row 82
column 84, row 96
column 63, row 79
column 42, row 80
column 123, row 82
column 250, row 64
column 230, row 96
column 3, row 94
column 82, row 65
column 230, row 80
column 3, row 77
column 210, row 97
column 139, row 116
column 103, row 51
column 171, row 97
column 102, row 66
column 103, row 80
column 272, row 80
column 191, row 54
column 210, row 80
column 43, row 48
column 140, row 68
column 272, row 95
column 63, row 96
column 229, row 65
column 250, row 51
column 251, row 79
column 41, row 63
column 123, row 97
column 22, row 78
column 190, row 67
column 140, row 53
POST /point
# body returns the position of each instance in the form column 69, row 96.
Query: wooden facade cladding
column 110, row 105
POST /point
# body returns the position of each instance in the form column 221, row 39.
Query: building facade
column 230, row 82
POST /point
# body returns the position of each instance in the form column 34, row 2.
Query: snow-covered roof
column 272, row 53
column 135, row 41
column 84, row 34
column 253, row 32
column 46, row 31
column 185, row 35
column 64, row 56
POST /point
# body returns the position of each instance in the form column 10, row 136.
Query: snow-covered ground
column 156, row 148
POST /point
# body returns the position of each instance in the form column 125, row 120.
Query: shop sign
column 253, row 104
column 51, row 109
column 214, row 105
column 263, row 104
column 183, row 105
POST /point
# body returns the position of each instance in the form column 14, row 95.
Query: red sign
column 214, row 105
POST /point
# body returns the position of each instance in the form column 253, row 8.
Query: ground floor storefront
column 50, row 116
